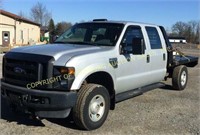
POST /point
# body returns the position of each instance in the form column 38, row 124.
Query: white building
column 17, row 31
column 177, row 40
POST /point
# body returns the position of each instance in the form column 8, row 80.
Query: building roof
column 18, row 18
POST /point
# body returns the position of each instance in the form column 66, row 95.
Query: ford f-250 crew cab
column 89, row 68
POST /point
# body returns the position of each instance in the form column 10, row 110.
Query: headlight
column 64, row 70
column 64, row 77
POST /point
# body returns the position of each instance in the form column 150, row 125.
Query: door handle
column 164, row 57
column 148, row 58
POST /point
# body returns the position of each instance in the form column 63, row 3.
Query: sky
column 162, row 12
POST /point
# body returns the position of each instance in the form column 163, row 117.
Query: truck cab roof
column 120, row 22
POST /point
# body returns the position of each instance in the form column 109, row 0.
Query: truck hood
column 60, row 51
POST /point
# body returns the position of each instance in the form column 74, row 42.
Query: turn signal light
column 70, row 71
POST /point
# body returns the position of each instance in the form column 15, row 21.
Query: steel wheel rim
column 183, row 78
column 96, row 108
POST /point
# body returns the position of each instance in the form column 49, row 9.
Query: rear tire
column 180, row 77
column 92, row 107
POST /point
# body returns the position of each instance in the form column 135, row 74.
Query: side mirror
column 138, row 46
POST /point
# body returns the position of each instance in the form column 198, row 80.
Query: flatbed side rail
column 189, row 61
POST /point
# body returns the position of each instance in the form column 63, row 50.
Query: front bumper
column 48, row 104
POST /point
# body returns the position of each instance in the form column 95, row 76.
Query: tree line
column 189, row 30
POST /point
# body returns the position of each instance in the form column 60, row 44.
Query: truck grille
column 20, row 72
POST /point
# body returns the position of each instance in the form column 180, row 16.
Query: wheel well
column 104, row 79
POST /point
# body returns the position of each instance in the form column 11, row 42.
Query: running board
column 136, row 92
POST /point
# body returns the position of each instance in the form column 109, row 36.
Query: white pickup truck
column 89, row 68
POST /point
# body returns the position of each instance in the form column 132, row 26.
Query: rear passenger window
column 154, row 38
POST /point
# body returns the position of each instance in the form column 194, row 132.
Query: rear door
column 157, row 54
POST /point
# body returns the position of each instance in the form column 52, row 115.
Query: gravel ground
column 158, row 112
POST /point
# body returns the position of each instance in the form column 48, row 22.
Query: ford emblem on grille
column 19, row 70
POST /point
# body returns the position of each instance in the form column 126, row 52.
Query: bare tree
column 40, row 14
column 47, row 18
column 179, row 28
column 192, row 27
column 198, row 33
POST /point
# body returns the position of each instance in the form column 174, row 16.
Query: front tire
column 180, row 77
column 92, row 107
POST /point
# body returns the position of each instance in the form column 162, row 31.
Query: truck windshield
column 98, row 34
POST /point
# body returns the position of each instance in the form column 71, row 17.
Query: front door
column 5, row 38
column 133, row 69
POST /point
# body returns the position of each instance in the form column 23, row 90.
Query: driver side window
column 127, row 41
